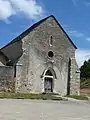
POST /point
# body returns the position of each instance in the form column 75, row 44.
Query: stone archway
column 49, row 77
column 48, row 80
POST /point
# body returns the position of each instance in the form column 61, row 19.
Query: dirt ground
column 85, row 91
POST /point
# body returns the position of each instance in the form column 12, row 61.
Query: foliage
column 85, row 69
column 85, row 74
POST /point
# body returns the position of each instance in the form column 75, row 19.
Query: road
column 43, row 110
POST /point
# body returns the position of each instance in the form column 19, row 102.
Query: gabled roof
column 22, row 35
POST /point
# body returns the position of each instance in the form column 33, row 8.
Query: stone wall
column 74, row 78
column 7, row 78
column 31, row 58
column 35, row 59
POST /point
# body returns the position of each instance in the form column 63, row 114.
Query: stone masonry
column 41, row 60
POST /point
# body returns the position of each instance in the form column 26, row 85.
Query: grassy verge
column 29, row 96
column 78, row 97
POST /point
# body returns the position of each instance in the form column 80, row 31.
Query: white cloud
column 88, row 39
column 76, row 33
column 65, row 26
column 6, row 9
column 30, row 8
column 74, row 2
column 82, row 55
column 87, row 4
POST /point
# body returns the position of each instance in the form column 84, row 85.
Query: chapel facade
column 41, row 60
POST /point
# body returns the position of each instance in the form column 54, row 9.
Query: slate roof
column 4, row 55
column 22, row 35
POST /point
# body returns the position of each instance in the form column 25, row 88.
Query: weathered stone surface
column 7, row 83
column 35, row 58
column 32, row 60
column 74, row 78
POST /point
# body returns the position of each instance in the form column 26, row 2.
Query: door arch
column 49, row 77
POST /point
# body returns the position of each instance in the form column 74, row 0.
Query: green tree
column 85, row 69
column 85, row 74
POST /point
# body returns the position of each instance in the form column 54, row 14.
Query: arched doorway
column 48, row 82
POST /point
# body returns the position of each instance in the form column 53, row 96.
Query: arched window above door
column 49, row 73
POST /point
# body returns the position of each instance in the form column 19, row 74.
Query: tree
column 85, row 69
column 85, row 74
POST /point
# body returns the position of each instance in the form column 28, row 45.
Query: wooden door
column 48, row 85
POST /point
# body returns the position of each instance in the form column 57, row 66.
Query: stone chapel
column 40, row 60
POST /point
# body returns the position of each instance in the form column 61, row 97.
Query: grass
column 78, row 97
column 9, row 95
column 29, row 96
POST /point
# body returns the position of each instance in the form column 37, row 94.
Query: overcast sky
column 74, row 16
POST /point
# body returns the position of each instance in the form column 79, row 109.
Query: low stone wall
column 7, row 83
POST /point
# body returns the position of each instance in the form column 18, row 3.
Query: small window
column 51, row 41
column 48, row 73
column 50, row 54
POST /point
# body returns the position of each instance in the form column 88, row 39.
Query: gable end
column 22, row 35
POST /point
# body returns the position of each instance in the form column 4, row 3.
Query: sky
column 73, row 15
